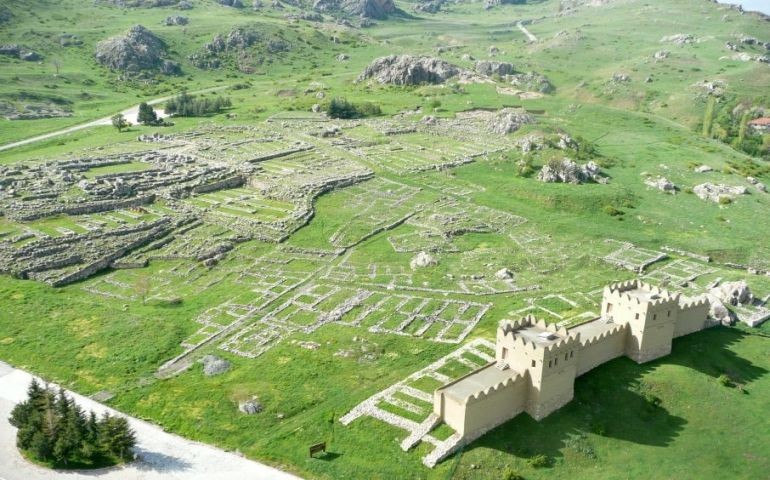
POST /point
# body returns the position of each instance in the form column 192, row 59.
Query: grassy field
column 113, row 331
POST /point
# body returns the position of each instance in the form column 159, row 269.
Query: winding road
column 130, row 115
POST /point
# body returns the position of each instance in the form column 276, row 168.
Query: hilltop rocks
column 716, row 193
column 213, row 365
column 378, row 9
column 175, row 20
column 409, row 70
column 508, row 120
column 532, row 82
column 423, row 260
column 490, row 67
column 567, row 171
column 20, row 52
column 139, row 49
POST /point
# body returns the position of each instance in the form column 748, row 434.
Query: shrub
column 341, row 108
column 539, row 461
column 510, row 474
column 723, row 200
column 612, row 211
column 725, row 380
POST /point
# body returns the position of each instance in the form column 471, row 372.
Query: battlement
column 616, row 330
column 482, row 395
column 534, row 334
column 639, row 293
column 686, row 303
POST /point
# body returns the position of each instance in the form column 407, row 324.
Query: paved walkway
column 161, row 455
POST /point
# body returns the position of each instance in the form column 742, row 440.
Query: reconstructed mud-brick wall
column 494, row 407
column 601, row 349
column 692, row 317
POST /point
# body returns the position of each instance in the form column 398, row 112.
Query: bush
column 510, row 474
column 341, row 108
column 612, row 211
column 725, row 380
column 725, row 200
column 539, row 461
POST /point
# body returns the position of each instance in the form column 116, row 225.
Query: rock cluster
column 508, row 120
column 567, row 171
column 231, row 3
column 678, row 39
column 662, row 184
column 250, row 407
column 409, row 70
column 490, row 67
column 423, row 260
column 213, row 365
column 138, row 49
column 430, row 6
column 531, row 82
column 716, row 193
column 377, row 9
column 175, row 20
column 17, row 51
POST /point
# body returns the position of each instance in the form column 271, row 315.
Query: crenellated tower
column 546, row 354
column 650, row 313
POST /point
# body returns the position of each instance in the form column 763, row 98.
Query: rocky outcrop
column 567, row 171
column 409, row 70
column 490, row 67
column 718, row 193
column 175, row 20
column 678, row 39
column 213, row 365
column 22, row 53
column 532, row 82
column 231, row 3
column 139, row 49
column 430, row 6
column 378, row 9
column 733, row 293
column 508, row 120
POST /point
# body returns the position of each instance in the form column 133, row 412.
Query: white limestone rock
column 423, row 260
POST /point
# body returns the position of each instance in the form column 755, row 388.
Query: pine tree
column 146, row 115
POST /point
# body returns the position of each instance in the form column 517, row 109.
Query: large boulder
column 717, row 193
column 213, row 365
column 567, row 171
column 20, row 52
column 508, row 120
column 733, row 293
column 423, row 260
column 138, row 49
column 490, row 67
column 409, row 70
column 378, row 9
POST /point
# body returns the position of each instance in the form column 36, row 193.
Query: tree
column 147, row 115
column 142, row 287
column 119, row 122
column 53, row 428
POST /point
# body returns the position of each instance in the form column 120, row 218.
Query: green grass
column 702, row 428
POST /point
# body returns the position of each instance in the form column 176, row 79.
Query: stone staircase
column 417, row 434
column 443, row 450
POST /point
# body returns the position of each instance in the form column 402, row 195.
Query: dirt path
column 526, row 32
column 130, row 115
column 161, row 455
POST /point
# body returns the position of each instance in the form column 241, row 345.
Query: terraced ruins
column 337, row 243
